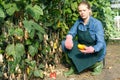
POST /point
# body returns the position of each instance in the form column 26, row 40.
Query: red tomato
column 53, row 75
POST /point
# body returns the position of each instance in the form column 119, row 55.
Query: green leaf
column 12, row 65
column 41, row 66
column 68, row 10
column 11, row 31
column 36, row 44
column 32, row 34
column 2, row 14
column 38, row 73
column 40, row 36
column 10, row 50
column 10, row 8
column 28, row 25
column 32, row 50
column 35, row 11
column 74, row 6
column 33, row 28
column 27, row 61
column 38, row 11
column 15, row 50
column 38, row 27
column 28, row 42
column 32, row 63
column 19, row 48
column 18, row 32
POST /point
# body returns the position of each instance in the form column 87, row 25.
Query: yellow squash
column 81, row 46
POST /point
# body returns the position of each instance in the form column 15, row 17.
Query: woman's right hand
column 69, row 42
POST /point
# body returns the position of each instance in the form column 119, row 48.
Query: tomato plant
column 31, row 32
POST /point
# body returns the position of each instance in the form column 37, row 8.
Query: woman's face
column 84, row 11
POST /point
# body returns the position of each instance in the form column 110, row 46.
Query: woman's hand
column 88, row 50
column 68, row 42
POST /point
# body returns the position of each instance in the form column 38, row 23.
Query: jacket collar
column 81, row 20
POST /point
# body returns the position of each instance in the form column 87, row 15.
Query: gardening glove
column 88, row 50
column 69, row 42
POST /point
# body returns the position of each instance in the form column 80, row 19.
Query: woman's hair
column 87, row 4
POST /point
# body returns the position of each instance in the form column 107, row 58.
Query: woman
column 89, row 31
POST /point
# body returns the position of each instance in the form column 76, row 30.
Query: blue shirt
column 96, row 31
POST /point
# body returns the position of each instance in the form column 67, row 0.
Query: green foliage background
column 31, row 32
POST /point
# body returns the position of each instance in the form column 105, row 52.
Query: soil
column 111, row 69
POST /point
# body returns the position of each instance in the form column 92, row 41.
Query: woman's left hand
column 88, row 50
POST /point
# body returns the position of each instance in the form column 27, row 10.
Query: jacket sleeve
column 73, row 29
column 99, row 36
